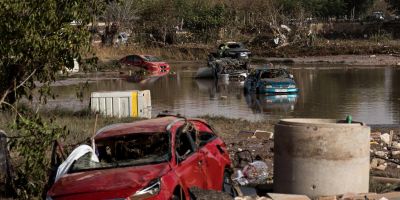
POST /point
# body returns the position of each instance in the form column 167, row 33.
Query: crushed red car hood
column 118, row 182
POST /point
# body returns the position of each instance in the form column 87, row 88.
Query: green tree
column 205, row 20
column 158, row 18
column 118, row 15
column 357, row 8
column 38, row 39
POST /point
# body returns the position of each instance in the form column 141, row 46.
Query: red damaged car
column 147, row 62
column 160, row 158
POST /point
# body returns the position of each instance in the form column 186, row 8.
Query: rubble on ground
column 200, row 194
column 385, row 159
column 385, row 153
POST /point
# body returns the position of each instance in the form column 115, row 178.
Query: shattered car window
column 274, row 73
column 152, row 59
column 128, row 150
column 205, row 137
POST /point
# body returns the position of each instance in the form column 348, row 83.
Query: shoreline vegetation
column 346, row 52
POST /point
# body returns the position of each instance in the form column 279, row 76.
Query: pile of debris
column 228, row 65
column 231, row 60
column 385, row 153
column 348, row 196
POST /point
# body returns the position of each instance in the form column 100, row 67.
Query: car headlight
column 152, row 189
column 291, row 86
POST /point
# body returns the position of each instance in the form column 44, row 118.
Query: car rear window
column 205, row 137
column 128, row 150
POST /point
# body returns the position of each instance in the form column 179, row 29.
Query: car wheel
column 227, row 185
column 178, row 194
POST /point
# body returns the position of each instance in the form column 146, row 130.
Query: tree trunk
column 5, row 169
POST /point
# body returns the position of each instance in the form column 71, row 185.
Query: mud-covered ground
column 388, row 156
column 351, row 60
column 238, row 136
column 343, row 51
column 263, row 146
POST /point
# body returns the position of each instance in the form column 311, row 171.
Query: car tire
column 227, row 185
column 178, row 194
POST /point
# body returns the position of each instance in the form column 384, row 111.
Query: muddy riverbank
column 345, row 51
column 381, row 60
column 348, row 61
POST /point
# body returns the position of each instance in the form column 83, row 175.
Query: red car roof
column 157, row 125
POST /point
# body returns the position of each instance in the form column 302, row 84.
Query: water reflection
column 370, row 95
column 220, row 88
column 267, row 104
column 145, row 77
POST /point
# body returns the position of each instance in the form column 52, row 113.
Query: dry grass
column 229, row 128
column 325, row 47
column 321, row 47
column 81, row 125
column 187, row 52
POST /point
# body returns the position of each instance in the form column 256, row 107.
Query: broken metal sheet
column 75, row 155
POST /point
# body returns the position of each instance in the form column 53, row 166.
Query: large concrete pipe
column 318, row 157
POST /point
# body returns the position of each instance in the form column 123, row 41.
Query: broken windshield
column 235, row 45
column 128, row 150
column 274, row 73
column 152, row 59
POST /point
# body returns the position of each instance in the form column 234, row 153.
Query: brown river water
column 368, row 94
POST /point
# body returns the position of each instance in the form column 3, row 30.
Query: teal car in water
column 270, row 81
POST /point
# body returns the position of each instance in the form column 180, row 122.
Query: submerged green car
column 270, row 81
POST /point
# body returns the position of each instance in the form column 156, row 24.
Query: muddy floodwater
column 371, row 95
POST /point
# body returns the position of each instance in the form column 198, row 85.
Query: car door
column 188, row 161
column 216, row 157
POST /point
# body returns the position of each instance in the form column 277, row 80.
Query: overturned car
column 269, row 80
column 151, row 159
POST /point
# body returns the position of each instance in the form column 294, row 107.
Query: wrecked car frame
column 270, row 80
column 174, row 155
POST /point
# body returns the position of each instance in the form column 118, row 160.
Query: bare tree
column 119, row 15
